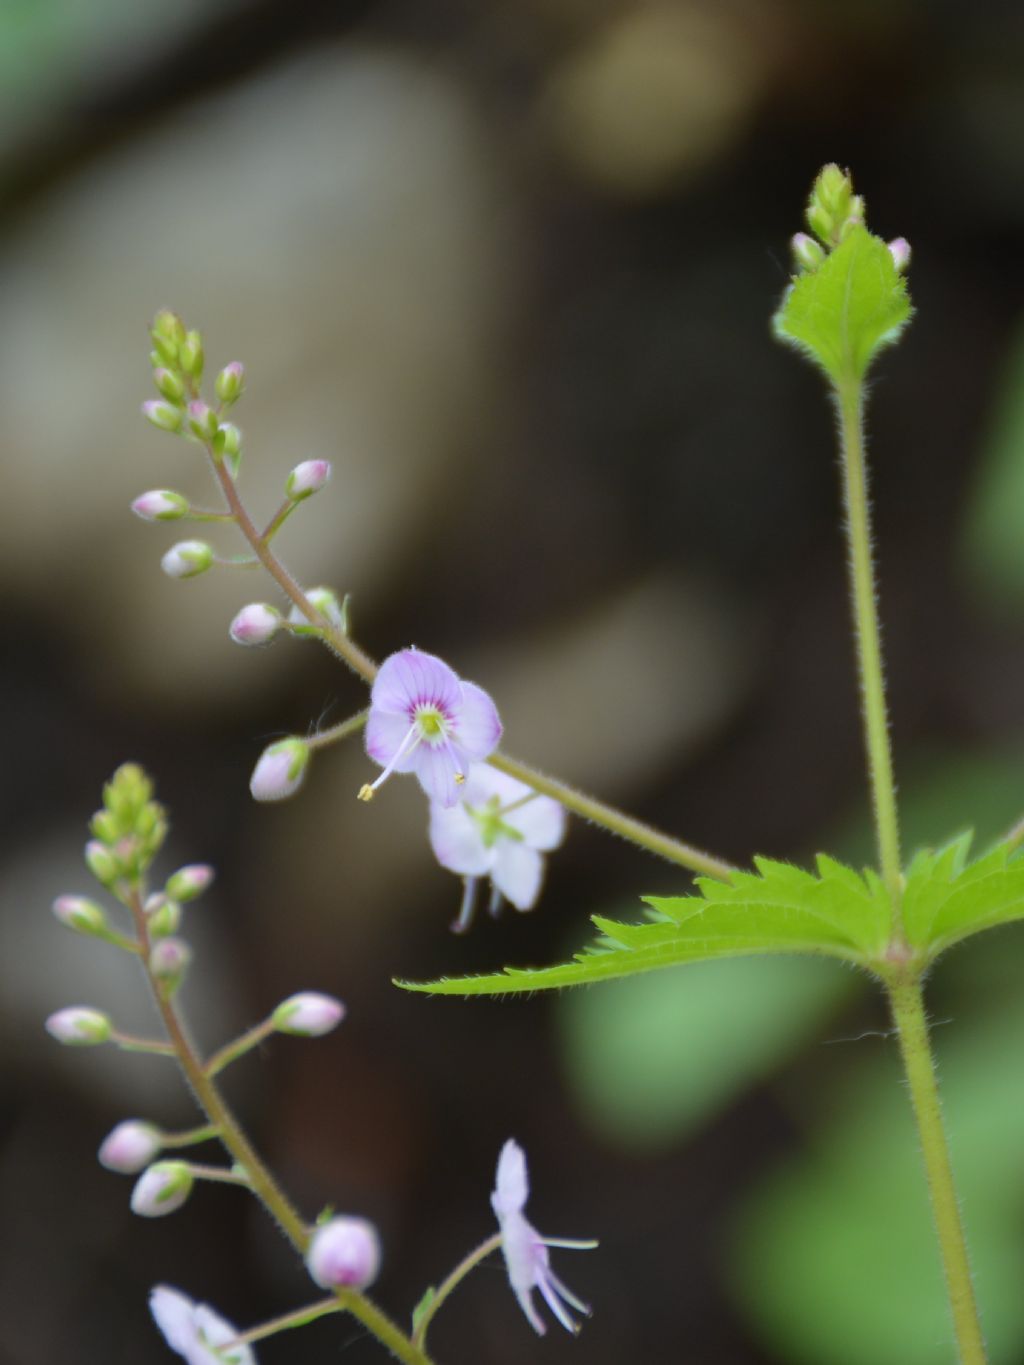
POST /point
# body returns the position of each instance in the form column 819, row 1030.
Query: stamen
column 468, row 906
column 412, row 738
column 496, row 902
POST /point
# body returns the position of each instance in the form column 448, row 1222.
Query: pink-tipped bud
column 169, row 385
column 162, row 1188
column 189, row 881
column 280, row 770
column 80, row 1026
column 308, row 1014
column 231, row 382
column 160, row 504
column 187, row 559
column 899, row 250
column 307, row 478
column 202, row 420
column 163, row 415
column 807, row 253
column 80, row 914
column 168, row 326
column 169, row 959
column 255, row 624
column 130, row 1146
column 190, row 355
column 101, row 862
column 344, row 1254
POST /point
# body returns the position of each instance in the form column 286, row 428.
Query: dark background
column 510, row 267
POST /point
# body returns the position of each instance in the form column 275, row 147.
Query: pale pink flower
column 130, row 1146
column 499, row 829
column 425, row 720
column 195, row 1331
column 526, row 1251
column 308, row 1014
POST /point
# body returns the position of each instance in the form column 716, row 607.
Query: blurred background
column 510, row 267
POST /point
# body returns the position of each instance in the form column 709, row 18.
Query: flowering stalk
column 451, row 1283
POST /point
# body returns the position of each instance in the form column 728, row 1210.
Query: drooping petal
column 541, row 821
column 517, row 873
column 385, row 735
column 511, row 1186
column 455, row 839
column 195, row 1331
column 411, row 678
column 436, row 766
column 476, row 724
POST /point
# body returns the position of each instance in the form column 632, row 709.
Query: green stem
column 152, row 1047
column 230, row 1052
column 452, row 1282
column 278, row 520
column 299, row 1318
column 869, row 653
column 191, row 1138
column 342, row 730
column 904, row 988
column 261, row 1181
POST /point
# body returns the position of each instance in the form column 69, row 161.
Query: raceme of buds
column 169, row 385
column 190, row 355
column 189, row 881
column 187, row 559
column 80, row 1026
column 202, row 420
column 130, row 1147
column 162, row 1188
column 308, row 1014
column 163, row 415
column 80, row 914
column 160, row 504
column 129, row 829
column 231, row 382
column 255, row 624
column 280, row 770
column 307, row 478
column 168, row 961
column 344, row 1254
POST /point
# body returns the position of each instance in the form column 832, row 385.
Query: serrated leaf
column 947, row 899
column 777, row 909
column 844, row 312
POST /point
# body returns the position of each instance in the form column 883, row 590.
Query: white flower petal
column 476, row 727
column 541, row 821
column 517, row 873
column 511, row 1186
column 455, row 839
column 385, row 735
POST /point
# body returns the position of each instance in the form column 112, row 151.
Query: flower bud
column 80, row 1026
column 130, row 1146
column 190, row 354
column 899, row 250
column 162, row 1188
column 308, row 1014
column 168, row 326
column 307, row 478
column 164, row 918
column 326, row 602
column 169, row 385
column 103, row 865
column 344, row 1254
column 187, row 559
column 80, row 914
column 255, row 624
column 163, row 415
column 231, row 382
column 807, row 254
column 202, row 420
column 160, row 504
column 169, row 959
column 280, row 770
column 189, row 881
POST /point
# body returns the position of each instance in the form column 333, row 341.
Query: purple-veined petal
column 517, row 873
column 476, row 725
column 411, row 678
column 541, row 822
column 455, row 839
column 436, row 766
column 385, row 735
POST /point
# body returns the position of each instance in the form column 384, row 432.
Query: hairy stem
column 452, row 1282
column 849, row 398
column 904, row 989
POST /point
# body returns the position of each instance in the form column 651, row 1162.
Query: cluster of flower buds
column 127, row 832
column 833, row 211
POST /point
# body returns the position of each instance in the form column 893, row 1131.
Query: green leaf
column 423, row 1308
column 947, row 899
column 844, row 312
column 777, row 909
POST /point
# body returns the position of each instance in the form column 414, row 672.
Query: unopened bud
column 187, row 559
column 325, row 600
column 280, row 770
column 190, row 355
column 163, row 415
column 807, row 253
column 255, row 624
column 80, row 914
column 202, row 420
column 103, row 865
column 168, row 326
column 130, row 1146
column 899, row 250
column 169, row 385
column 344, row 1254
column 160, row 504
column 80, row 1026
column 308, row 1014
column 307, row 478
column 231, row 382
column 169, row 959
column 164, row 919
column 189, row 881
column 162, row 1188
